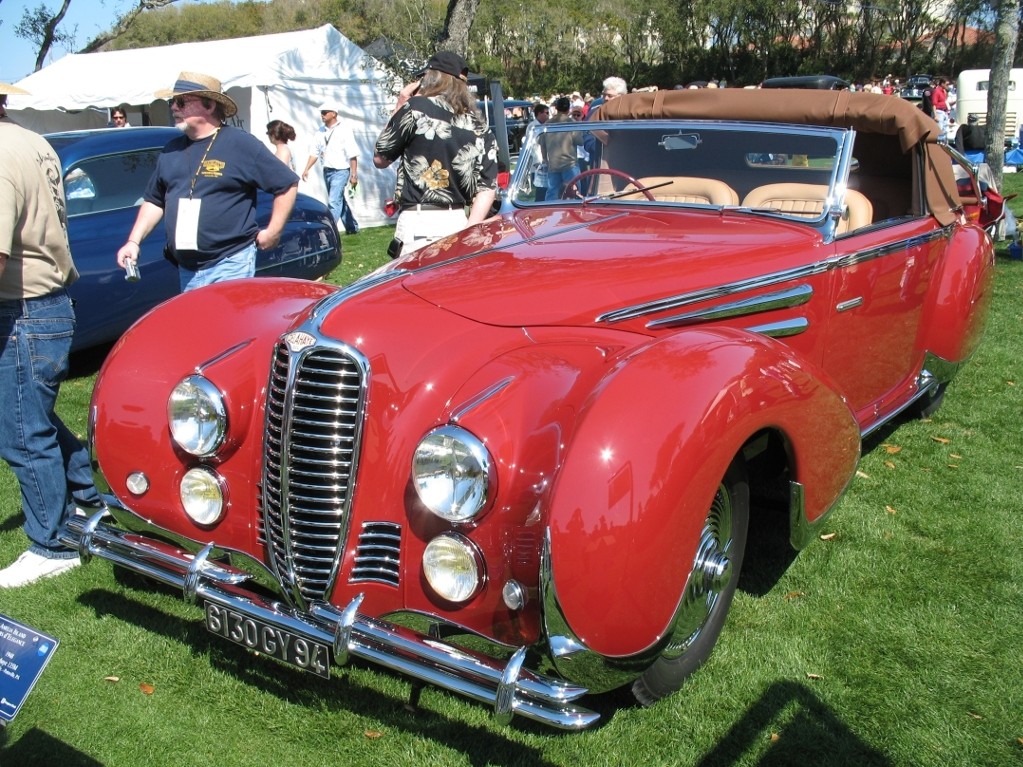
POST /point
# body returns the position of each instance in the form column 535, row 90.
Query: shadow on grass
column 800, row 730
column 768, row 550
column 12, row 523
column 37, row 748
column 339, row 694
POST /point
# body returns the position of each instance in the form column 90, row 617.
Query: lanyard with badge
column 186, row 233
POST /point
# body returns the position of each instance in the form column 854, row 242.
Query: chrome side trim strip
column 774, row 278
column 935, row 372
column 507, row 687
column 461, row 411
column 728, row 289
column 783, row 299
column 201, row 367
column 328, row 303
column 852, row 303
column 782, row 329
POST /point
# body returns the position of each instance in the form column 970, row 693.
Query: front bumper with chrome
column 507, row 686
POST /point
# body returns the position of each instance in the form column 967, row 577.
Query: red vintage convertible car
column 549, row 433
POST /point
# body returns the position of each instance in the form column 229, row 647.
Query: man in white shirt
column 335, row 147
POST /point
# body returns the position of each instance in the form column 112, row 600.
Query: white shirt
column 335, row 146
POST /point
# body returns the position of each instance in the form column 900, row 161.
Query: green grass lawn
column 896, row 641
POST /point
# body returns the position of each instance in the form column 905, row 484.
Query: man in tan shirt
column 37, row 322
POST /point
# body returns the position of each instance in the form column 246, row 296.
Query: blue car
column 105, row 174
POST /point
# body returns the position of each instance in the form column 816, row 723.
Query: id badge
column 186, row 234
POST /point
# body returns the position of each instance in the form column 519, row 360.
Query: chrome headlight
column 453, row 473
column 453, row 566
column 197, row 416
column 202, row 495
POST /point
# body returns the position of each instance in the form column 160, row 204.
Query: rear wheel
column 709, row 591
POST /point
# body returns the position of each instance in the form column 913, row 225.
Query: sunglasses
column 327, row 112
column 180, row 101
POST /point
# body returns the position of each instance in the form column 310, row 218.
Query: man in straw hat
column 204, row 187
column 448, row 155
column 37, row 322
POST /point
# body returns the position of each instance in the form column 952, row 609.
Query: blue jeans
column 234, row 267
column 556, row 180
column 337, row 183
column 51, row 465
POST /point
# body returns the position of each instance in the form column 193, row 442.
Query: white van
column 971, row 98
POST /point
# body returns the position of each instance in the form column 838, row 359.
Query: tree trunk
column 123, row 23
column 49, row 32
column 457, row 24
column 1006, row 35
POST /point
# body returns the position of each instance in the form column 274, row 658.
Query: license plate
column 268, row 640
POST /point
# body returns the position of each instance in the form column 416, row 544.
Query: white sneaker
column 31, row 567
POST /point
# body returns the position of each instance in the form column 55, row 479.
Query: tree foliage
column 39, row 26
column 564, row 45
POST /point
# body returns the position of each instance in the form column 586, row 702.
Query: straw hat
column 201, row 86
column 13, row 90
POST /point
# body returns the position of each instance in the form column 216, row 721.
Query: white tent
column 272, row 77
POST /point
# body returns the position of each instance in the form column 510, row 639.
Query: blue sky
column 89, row 16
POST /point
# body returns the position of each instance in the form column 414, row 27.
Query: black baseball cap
column 448, row 62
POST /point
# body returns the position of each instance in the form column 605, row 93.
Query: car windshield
column 683, row 163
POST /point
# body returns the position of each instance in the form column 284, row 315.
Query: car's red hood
column 583, row 262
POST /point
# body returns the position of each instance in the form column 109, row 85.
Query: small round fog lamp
column 202, row 496
column 453, row 567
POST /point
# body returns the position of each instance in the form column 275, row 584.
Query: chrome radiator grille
column 313, row 420
column 378, row 555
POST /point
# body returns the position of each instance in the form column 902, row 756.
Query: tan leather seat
column 689, row 189
column 808, row 200
column 859, row 212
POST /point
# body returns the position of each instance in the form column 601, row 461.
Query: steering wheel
column 607, row 172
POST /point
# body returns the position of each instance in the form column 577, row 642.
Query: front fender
column 651, row 447
column 227, row 331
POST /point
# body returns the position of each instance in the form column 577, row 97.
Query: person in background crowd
column 335, row 147
column 576, row 113
column 206, row 182
column 37, row 322
column 927, row 101
column 971, row 136
column 939, row 102
column 119, row 117
column 560, row 151
column 613, row 88
column 448, row 155
column 541, row 112
column 280, row 133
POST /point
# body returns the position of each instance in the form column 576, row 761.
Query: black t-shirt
column 224, row 171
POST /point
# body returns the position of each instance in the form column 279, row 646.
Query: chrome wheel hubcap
column 711, row 574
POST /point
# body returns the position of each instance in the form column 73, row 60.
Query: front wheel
column 709, row 591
